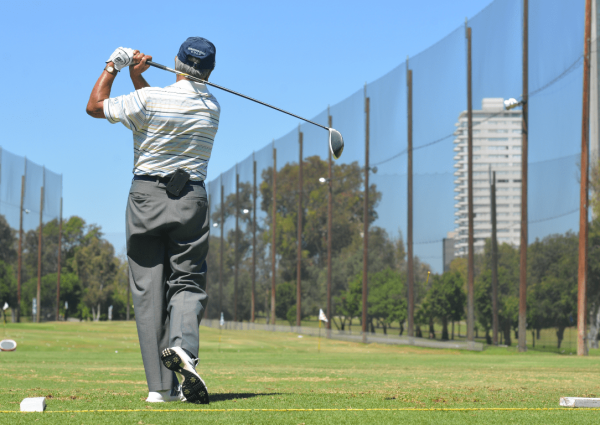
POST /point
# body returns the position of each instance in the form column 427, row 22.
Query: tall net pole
column 222, row 246
column 273, row 234
column 365, row 276
column 39, row 274
column 60, row 223
column 494, row 263
column 329, row 231
column 253, row 295
column 524, row 165
column 582, row 349
column 299, row 247
column 236, row 247
column 20, row 252
column 409, row 215
column 471, row 253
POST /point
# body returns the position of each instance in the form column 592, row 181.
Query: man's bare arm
column 103, row 86
column 100, row 92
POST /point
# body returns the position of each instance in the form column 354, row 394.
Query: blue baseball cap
column 197, row 52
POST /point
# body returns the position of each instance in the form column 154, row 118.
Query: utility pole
column 329, row 232
column 524, row 162
column 59, row 264
column 365, row 276
column 494, row 263
column 299, row 248
column 471, row 254
column 20, row 253
column 222, row 254
column 253, row 295
column 274, row 232
column 236, row 247
column 582, row 348
column 409, row 215
column 39, row 274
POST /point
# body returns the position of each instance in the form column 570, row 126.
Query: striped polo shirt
column 173, row 127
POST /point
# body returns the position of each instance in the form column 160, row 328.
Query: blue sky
column 300, row 56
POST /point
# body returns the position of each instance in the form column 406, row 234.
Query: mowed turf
column 97, row 366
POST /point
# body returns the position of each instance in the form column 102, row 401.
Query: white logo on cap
column 196, row 51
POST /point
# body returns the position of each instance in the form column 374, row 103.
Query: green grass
column 77, row 367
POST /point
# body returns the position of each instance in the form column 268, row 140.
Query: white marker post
column 33, row 404
column 579, row 402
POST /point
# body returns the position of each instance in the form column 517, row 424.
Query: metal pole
column 494, row 263
column 299, row 248
column 222, row 254
column 60, row 223
column 409, row 229
column 235, row 253
column 471, row 253
column 20, row 253
column 329, row 233
column 524, row 161
column 127, row 314
column 365, row 276
column 253, row 295
column 582, row 348
column 273, row 232
column 39, row 274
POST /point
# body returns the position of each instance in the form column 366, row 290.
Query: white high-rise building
column 496, row 147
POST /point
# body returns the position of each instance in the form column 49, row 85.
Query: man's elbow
column 95, row 111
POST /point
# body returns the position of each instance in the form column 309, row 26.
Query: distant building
column 496, row 147
column 449, row 249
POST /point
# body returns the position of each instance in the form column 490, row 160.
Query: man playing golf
column 167, row 210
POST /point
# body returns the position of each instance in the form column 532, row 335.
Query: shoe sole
column 193, row 387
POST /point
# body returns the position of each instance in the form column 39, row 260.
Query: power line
column 563, row 74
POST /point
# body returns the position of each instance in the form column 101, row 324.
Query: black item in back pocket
column 177, row 182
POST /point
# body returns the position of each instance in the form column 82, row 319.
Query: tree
column 446, row 299
column 70, row 292
column 8, row 236
column 553, row 263
column 96, row 266
column 349, row 303
column 286, row 298
column 387, row 299
column 347, row 224
column 508, row 288
column 8, row 286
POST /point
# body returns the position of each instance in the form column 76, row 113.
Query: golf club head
column 336, row 143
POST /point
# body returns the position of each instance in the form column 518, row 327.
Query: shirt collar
column 193, row 86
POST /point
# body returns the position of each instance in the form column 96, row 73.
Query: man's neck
column 181, row 77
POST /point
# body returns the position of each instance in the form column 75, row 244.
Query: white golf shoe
column 164, row 396
column 180, row 361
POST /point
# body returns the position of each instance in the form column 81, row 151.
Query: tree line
column 93, row 277
column 440, row 300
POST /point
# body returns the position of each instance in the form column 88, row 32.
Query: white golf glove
column 121, row 57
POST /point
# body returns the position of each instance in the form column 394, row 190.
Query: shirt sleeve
column 129, row 109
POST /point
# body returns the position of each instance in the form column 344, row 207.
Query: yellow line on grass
column 432, row 409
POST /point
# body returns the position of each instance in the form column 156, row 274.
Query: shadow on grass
column 237, row 396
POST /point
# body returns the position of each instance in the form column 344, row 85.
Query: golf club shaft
column 166, row 68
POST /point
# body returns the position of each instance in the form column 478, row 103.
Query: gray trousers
column 167, row 244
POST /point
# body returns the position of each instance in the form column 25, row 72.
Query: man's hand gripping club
column 120, row 58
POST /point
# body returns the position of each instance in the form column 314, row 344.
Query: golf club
column 336, row 142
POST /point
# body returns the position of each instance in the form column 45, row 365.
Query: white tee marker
column 33, row 404
column 579, row 402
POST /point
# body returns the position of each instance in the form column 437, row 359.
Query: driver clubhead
column 336, row 143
